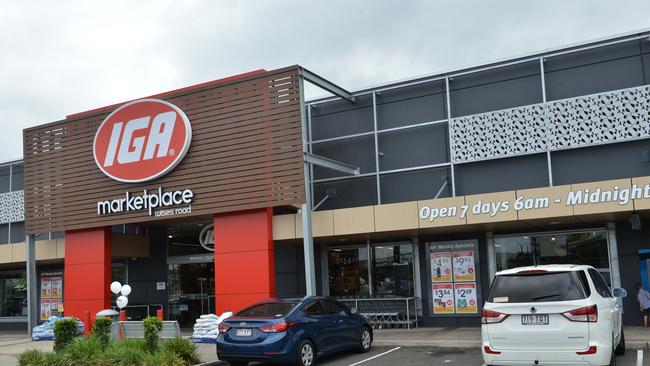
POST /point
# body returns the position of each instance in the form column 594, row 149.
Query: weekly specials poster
column 441, row 267
column 464, row 266
column 443, row 298
column 465, row 295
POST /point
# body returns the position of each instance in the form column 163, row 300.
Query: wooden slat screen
column 246, row 153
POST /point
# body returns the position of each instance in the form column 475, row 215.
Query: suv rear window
column 537, row 287
column 267, row 310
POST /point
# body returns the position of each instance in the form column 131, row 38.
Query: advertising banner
column 464, row 268
column 465, row 295
column 441, row 267
column 51, row 302
column 455, row 280
column 443, row 298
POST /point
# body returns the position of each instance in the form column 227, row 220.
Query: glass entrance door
column 191, row 291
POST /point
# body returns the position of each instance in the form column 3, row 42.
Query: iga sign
column 142, row 140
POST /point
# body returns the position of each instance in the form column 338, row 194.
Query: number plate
column 244, row 332
column 534, row 319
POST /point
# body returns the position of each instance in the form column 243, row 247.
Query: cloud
column 59, row 58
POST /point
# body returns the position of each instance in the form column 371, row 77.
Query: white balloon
column 122, row 301
column 116, row 287
column 126, row 290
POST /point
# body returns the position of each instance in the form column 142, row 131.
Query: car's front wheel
column 306, row 354
column 365, row 343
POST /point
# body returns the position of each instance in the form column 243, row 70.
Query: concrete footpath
column 13, row 343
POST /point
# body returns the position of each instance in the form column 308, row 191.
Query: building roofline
column 501, row 62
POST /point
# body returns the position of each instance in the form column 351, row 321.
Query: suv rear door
column 538, row 293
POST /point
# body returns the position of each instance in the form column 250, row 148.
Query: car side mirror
column 354, row 311
column 619, row 292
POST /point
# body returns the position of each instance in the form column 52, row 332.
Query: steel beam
column 331, row 164
column 32, row 283
column 327, row 85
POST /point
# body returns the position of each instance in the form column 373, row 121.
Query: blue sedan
column 295, row 331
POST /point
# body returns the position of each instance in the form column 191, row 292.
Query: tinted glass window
column 538, row 287
column 17, row 177
column 4, row 233
column 267, row 310
column 333, row 308
column 4, row 179
column 313, row 308
column 17, row 232
column 599, row 283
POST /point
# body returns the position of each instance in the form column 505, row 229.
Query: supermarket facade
column 419, row 190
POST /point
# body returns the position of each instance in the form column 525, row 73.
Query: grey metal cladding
column 12, row 207
column 602, row 162
column 411, row 105
column 499, row 175
column 608, row 117
column 413, row 185
column 502, row 88
column 352, row 192
column 426, row 145
column 357, row 151
column 341, row 118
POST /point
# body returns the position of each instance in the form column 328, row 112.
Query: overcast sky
column 63, row 57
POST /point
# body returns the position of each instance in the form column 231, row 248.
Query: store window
column 385, row 270
column 393, row 270
column 17, row 232
column 348, row 272
column 581, row 247
column 13, row 294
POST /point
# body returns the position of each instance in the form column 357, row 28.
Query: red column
column 243, row 258
column 87, row 272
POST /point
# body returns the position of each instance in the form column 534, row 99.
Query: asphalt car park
column 415, row 356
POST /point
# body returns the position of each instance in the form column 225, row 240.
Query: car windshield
column 267, row 310
column 537, row 287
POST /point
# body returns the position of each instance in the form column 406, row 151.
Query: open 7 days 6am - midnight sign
column 219, row 147
column 455, row 283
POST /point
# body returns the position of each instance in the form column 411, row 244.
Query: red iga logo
column 142, row 140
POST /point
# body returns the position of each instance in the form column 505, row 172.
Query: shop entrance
column 190, row 274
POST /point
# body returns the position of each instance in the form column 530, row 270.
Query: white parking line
column 639, row 357
column 375, row 356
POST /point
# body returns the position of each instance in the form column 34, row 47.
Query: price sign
column 464, row 267
column 465, row 295
column 443, row 298
column 441, row 267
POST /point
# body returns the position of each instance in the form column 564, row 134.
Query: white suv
column 552, row 315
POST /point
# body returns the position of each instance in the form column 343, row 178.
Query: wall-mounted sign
column 142, row 140
column 51, row 294
column 455, row 283
column 587, row 198
column 157, row 203
column 206, row 237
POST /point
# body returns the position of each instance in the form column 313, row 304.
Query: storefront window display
column 13, row 294
column 581, row 247
column 384, row 270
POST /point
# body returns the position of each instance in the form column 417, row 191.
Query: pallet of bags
column 206, row 328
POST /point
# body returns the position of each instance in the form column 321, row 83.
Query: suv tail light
column 223, row 328
column 277, row 327
column 492, row 317
column 587, row 314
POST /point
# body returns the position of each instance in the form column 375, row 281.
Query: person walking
column 644, row 303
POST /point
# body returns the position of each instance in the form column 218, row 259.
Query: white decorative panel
column 12, row 207
column 497, row 134
column 600, row 118
column 569, row 123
